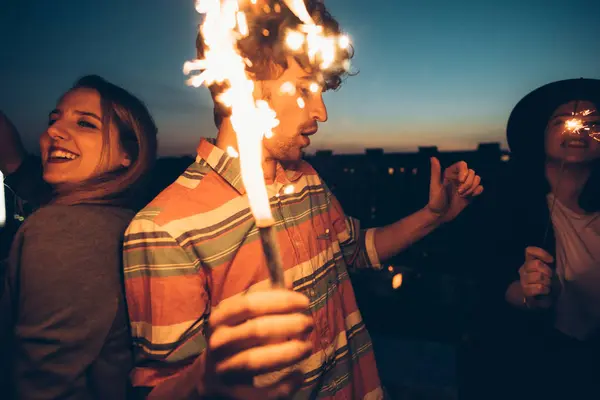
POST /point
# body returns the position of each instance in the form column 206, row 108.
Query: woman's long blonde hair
column 138, row 136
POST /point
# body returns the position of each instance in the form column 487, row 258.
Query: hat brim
column 528, row 120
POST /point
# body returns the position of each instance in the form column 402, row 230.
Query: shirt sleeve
column 357, row 245
column 168, row 302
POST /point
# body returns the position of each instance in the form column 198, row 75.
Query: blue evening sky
column 432, row 72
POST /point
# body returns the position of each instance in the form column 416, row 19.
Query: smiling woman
column 64, row 297
column 96, row 148
column 69, row 147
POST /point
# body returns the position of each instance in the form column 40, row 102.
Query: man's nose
column 318, row 109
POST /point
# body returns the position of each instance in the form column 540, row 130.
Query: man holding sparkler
column 195, row 265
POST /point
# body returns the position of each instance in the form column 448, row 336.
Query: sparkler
column 2, row 202
column 224, row 25
column 577, row 126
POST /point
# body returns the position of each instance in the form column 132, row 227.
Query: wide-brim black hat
column 528, row 120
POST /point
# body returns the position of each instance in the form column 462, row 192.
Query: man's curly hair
column 268, row 24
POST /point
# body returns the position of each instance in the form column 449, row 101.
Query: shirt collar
column 228, row 167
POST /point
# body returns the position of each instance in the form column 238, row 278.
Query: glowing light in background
column 2, row 202
column 397, row 281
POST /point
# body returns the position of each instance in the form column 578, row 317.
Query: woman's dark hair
column 138, row 137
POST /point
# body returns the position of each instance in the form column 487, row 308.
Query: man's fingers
column 537, row 278
column 536, row 290
column 241, row 308
column 457, row 172
column 535, row 266
column 265, row 359
column 536, row 253
column 436, row 173
column 227, row 340
column 466, row 184
column 470, row 190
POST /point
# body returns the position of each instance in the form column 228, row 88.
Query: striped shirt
column 197, row 245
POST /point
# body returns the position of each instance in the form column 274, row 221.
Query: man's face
column 567, row 146
column 298, row 102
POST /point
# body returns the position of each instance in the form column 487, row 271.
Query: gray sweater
column 70, row 332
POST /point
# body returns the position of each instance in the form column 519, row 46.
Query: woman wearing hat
column 550, row 245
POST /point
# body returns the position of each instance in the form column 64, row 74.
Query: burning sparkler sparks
column 578, row 126
column 225, row 24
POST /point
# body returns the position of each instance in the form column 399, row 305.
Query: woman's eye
column 51, row 121
column 86, row 124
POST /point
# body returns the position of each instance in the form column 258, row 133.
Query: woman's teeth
column 63, row 155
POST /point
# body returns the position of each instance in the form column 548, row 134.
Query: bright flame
column 242, row 23
column 327, row 47
column 574, row 125
column 288, row 88
column 318, row 43
column 299, row 9
column 2, row 201
column 314, row 87
column 578, row 126
column 397, row 281
column 300, row 102
column 251, row 120
column 344, row 42
column 232, row 152
column 294, row 40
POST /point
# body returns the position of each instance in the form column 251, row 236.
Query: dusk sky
column 432, row 72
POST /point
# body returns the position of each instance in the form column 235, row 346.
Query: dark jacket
column 70, row 333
